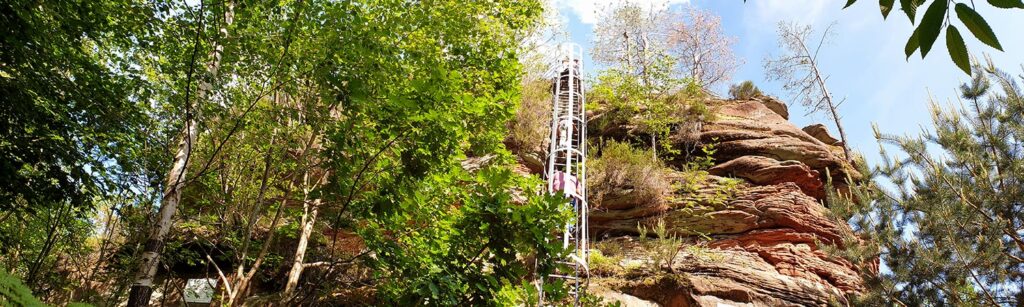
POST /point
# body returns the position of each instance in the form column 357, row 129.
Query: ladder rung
column 563, row 277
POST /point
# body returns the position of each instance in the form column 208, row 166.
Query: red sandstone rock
column 820, row 132
column 767, row 238
column 764, row 233
column 749, row 128
column 722, row 278
column 766, row 171
column 758, row 207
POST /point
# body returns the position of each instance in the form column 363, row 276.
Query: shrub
column 529, row 129
column 744, row 90
column 610, row 248
column 693, row 112
column 604, row 265
column 664, row 247
column 14, row 293
column 621, row 166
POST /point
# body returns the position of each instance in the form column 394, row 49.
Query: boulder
column 794, row 253
column 775, row 105
column 750, row 208
column 820, row 132
column 720, row 277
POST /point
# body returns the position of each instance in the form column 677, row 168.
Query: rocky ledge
column 750, row 228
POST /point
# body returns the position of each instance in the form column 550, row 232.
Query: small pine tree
column 950, row 232
column 744, row 90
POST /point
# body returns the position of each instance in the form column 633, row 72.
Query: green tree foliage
column 936, row 16
column 528, row 131
column 949, row 230
column 14, row 293
column 744, row 90
column 440, row 234
column 363, row 111
column 656, row 111
column 73, row 135
column 641, row 88
column 68, row 110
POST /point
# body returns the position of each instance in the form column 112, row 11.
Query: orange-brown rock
column 751, row 208
column 749, row 128
column 727, row 277
column 775, row 105
column 761, row 228
column 768, row 236
column 820, row 132
column 795, row 253
column 766, row 171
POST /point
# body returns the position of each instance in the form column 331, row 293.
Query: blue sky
column 865, row 59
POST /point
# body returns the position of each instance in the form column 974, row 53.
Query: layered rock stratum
column 752, row 227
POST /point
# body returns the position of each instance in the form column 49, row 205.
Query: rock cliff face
column 750, row 226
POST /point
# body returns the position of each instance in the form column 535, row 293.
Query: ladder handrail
column 567, row 149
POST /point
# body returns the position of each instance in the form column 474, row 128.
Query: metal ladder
column 566, row 168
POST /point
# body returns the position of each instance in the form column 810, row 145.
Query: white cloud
column 586, row 10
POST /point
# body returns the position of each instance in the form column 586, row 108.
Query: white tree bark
column 142, row 288
column 310, row 209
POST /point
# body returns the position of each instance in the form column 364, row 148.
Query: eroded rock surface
column 820, row 132
column 730, row 277
column 749, row 128
column 757, row 216
column 775, row 105
column 767, row 171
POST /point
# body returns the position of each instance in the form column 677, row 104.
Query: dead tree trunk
column 831, row 105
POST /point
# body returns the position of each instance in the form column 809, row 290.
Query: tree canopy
column 946, row 213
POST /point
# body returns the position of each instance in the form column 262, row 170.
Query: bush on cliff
column 528, row 130
column 622, row 167
column 744, row 90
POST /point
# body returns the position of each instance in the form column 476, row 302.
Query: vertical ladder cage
column 567, row 169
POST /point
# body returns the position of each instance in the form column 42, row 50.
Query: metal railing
column 566, row 169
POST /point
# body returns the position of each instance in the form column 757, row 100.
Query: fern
column 14, row 293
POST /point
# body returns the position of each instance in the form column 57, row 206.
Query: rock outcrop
column 749, row 128
column 775, row 105
column 820, row 132
column 752, row 224
column 767, row 171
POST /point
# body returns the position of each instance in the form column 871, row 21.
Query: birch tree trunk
column 142, row 288
column 310, row 209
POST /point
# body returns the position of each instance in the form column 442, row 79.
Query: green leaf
column 912, row 44
column 849, row 3
column 931, row 25
column 977, row 25
column 910, row 8
column 1007, row 4
column 433, row 289
column 886, row 6
column 957, row 49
